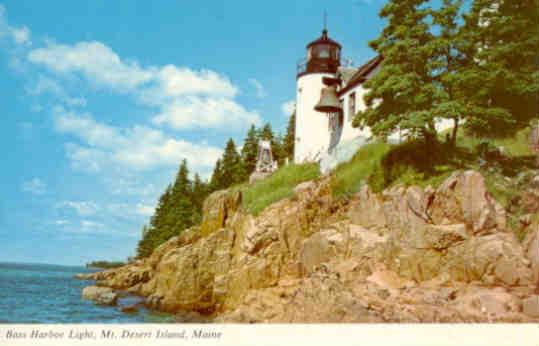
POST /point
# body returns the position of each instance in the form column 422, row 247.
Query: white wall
column 312, row 134
column 350, row 132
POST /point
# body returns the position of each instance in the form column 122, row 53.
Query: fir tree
column 290, row 138
column 267, row 132
column 144, row 247
column 447, row 62
column 182, row 207
column 401, row 95
column 151, row 234
column 231, row 165
column 249, row 152
column 216, row 182
column 501, row 74
column 278, row 150
column 200, row 192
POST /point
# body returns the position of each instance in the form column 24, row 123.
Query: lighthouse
column 312, row 136
column 328, row 96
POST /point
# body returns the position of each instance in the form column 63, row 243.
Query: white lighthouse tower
column 312, row 134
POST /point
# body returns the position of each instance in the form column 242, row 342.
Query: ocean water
column 38, row 293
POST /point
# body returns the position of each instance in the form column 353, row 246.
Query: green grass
column 348, row 177
column 412, row 163
column 513, row 146
column 279, row 185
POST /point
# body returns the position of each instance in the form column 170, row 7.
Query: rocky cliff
column 405, row 255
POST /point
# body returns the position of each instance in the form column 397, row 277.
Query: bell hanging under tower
column 323, row 59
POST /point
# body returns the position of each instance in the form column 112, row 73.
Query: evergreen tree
column 144, row 247
column 200, row 192
column 216, row 182
column 401, row 95
column 175, row 212
column 249, row 152
column 290, row 138
column 159, row 218
column 231, row 165
column 151, row 235
column 447, row 62
column 501, row 74
column 278, row 149
column 182, row 206
column 267, row 132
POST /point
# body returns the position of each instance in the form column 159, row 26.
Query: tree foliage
column 500, row 79
column 231, row 165
column 290, row 137
column 180, row 205
column 402, row 93
column 480, row 69
column 249, row 152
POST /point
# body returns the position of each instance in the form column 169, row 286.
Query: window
column 336, row 53
column 322, row 51
column 351, row 106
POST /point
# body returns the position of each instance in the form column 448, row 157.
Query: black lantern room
column 323, row 55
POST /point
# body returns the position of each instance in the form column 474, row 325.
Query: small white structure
column 265, row 165
column 265, row 162
column 318, row 134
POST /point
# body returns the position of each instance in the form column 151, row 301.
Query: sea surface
column 42, row 293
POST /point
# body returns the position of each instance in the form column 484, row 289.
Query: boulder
column 257, row 238
column 496, row 256
column 315, row 250
column 100, row 295
column 130, row 309
column 366, row 209
column 217, row 208
column 441, row 237
column 85, row 276
column 305, row 188
column 463, row 198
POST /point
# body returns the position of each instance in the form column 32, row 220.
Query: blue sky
column 100, row 100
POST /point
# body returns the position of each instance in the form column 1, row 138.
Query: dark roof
column 324, row 39
column 361, row 75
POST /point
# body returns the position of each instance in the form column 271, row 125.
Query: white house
column 322, row 136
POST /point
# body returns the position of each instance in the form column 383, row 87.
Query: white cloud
column 259, row 88
column 18, row 35
column 82, row 208
column 174, row 81
column 127, row 210
column 47, row 85
column 131, row 186
column 34, row 186
column 98, row 63
column 95, row 61
column 85, row 158
column 209, row 112
column 288, row 107
column 21, row 35
column 185, row 98
column 138, row 147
